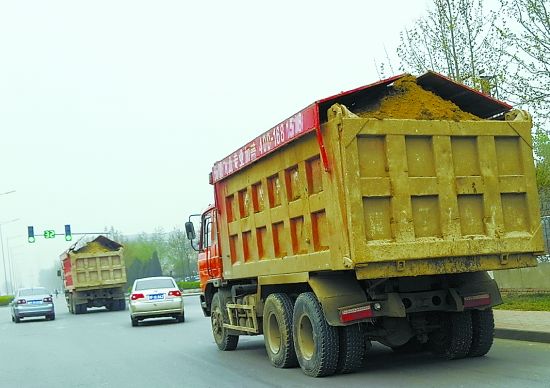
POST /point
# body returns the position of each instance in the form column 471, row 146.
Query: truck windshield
column 148, row 284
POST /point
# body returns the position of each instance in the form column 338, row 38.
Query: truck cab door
column 209, row 260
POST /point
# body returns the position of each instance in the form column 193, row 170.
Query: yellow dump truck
column 372, row 215
column 94, row 275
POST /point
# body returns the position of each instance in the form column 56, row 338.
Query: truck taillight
column 21, row 301
column 477, row 300
column 174, row 293
column 137, row 296
column 356, row 313
column 47, row 299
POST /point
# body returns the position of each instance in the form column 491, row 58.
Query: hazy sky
column 112, row 113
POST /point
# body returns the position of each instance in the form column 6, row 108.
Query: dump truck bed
column 94, row 266
column 385, row 197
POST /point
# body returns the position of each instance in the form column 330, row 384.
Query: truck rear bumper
column 441, row 266
column 34, row 311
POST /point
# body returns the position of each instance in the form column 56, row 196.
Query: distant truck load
column 372, row 215
column 94, row 275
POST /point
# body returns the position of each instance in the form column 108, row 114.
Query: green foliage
column 525, row 302
column 541, row 147
column 5, row 299
column 188, row 285
column 158, row 253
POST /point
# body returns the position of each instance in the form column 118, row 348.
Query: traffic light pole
column 50, row 233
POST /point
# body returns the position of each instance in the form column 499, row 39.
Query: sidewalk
column 531, row 326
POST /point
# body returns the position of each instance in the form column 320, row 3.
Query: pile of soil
column 408, row 100
column 93, row 247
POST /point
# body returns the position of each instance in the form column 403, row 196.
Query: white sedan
column 156, row 297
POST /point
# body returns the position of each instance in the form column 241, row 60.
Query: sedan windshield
column 33, row 291
column 148, row 284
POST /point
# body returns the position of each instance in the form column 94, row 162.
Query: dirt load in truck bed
column 408, row 100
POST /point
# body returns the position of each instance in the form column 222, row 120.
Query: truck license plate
column 156, row 296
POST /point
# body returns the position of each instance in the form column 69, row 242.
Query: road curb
column 523, row 335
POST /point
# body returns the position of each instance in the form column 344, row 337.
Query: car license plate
column 156, row 296
column 34, row 302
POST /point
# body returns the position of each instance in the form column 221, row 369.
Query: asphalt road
column 101, row 349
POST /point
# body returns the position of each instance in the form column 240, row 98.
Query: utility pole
column 3, row 254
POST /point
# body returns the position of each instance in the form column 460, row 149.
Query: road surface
column 101, row 349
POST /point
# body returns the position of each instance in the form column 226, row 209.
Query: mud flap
column 341, row 289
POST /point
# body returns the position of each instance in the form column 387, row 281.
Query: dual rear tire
column 464, row 334
column 300, row 335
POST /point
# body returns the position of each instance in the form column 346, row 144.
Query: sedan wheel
column 181, row 318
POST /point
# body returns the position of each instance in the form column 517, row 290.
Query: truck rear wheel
column 277, row 326
column 218, row 317
column 483, row 330
column 81, row 309
column 315, row 341
column 351, row 349
column 453, row 339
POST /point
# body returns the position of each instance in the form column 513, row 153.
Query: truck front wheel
column 315, row 341
column 454, row 338
column 224, row 340
column 483, row 330
column 277, row 325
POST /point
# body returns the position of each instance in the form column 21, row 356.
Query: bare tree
column 456, row 38
column 526, row 28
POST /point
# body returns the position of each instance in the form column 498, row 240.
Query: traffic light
column 68, row 234
column 30, row 237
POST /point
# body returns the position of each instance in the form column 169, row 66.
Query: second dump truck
column 94, row 275
column 372, row 215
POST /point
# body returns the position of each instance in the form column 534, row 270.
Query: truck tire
column 121, row 304
column 70, row 304
column 225, row 341
column 277, row 327
column 453, row 339
column 483, row 331
column 351, row 349
column 81, row 309
column 315, row 341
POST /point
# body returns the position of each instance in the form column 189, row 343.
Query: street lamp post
column 2, row 242
column 11, row 263
column 3, row 255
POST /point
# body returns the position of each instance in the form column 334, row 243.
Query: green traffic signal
column 68, row 234
column 30, row 234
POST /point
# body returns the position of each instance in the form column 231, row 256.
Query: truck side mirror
column 59, row 272
column 190, row 230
